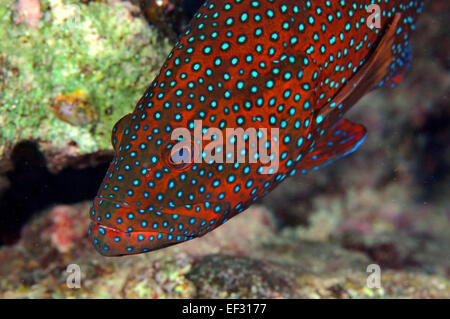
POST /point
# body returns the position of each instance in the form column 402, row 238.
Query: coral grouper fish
column 292, row 65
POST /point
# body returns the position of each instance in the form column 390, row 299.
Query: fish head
column 154, row 193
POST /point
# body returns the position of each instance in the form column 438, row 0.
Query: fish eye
column 181, row 156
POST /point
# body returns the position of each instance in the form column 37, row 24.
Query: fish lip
column 105, row 224
column 110, row 228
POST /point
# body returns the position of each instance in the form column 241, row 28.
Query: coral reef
column 99, row 49
column 245, row 258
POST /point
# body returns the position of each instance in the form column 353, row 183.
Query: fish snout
column 107, row 231
column 109, row 241
column 118, row 228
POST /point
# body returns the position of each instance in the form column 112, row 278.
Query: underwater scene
column 188, row 149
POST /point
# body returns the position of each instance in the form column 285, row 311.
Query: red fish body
column 293, row 65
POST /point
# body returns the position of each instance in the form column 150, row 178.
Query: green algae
column 98, row 49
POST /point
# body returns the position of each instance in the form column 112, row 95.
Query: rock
column 99, row 49
column 245, row 258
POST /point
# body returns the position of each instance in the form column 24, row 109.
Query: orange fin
column 342, row 139
column 365, row 79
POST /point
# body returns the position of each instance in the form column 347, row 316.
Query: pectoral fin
column 344, row 138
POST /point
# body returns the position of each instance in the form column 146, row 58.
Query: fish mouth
column 118, row 228
column 113, row 242
column 132, row 215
